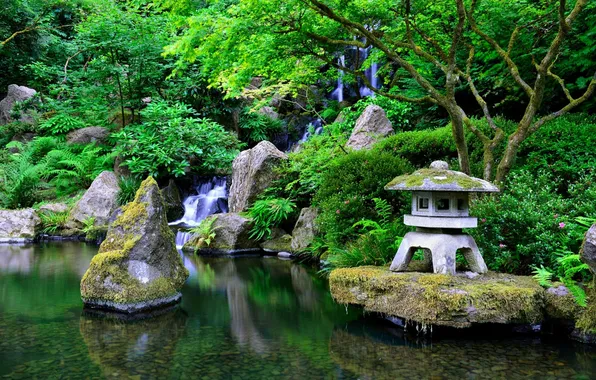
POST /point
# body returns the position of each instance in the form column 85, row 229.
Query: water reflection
column 15, row 259
column 374, row 351
column 132, row 348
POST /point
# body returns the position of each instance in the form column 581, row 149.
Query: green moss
column 587, row 321
column 559, row 306
column 439, row 299
column 417, row 178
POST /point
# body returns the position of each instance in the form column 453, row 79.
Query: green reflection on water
column 240, row 318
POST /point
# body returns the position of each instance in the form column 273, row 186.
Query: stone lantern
column 440, row 202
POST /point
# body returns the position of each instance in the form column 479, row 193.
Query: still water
column 240, row 318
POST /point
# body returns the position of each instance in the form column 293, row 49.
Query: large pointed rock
column 137, row 267
column 370, row 127
column 252, row 172
column 98, row 202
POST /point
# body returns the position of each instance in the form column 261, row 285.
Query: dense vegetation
column 498, row 89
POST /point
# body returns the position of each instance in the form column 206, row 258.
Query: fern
column 543, row 276
column 205, row 232
column 20, row 181
column 383, row 209
column 267, row 214
column 61, row 124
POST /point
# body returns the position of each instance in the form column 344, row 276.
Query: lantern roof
column 439, row 178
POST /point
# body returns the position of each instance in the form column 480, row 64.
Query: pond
column 240, row 319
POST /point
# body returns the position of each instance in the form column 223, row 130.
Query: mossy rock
column 137, row 267
column 232, row 237
column 433, row 299
column 586, row 323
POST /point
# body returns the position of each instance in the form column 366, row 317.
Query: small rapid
column 211, row 197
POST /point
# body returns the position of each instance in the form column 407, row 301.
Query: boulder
column 232, row 233
column 370, row 127
column 305, row 229
column 54, row 207
column 252, row 172
column 588, row 249
column 269, row 112
column 137, row 267
column 15, row 94
column 88, row 135
column 98, row 202
column 18, row 226
column 173, row 201
column 279, row 241
column 435, row 299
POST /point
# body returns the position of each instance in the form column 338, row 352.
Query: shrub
column 269, row 213
column 420, row 147
column 170, row 142
column 348, row 186
column 525, row 226
column 563, row 147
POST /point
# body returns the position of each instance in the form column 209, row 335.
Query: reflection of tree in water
column 144, row 347
column 369, row 354
column 265, row 298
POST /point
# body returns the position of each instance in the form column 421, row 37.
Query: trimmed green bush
column 348, row 186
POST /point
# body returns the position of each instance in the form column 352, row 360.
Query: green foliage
column 204, row 232
column 257, row 127
column 526, row 225
column 128, row 189
column 347, row 189
column 269, row 213
column 74, row 168
column 377, row 243
column 61, row 124
column 543, row 276
column 53, row 222
column 566, row 155
column 20, row 181
column 171, row 142
column 420, row 147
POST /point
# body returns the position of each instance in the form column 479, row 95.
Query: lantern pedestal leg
column 443, row 248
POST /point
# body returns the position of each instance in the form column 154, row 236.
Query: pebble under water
column 240, row 318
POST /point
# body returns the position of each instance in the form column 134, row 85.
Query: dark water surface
column 247, row 318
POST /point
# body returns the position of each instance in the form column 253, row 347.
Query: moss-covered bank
column 456, row 301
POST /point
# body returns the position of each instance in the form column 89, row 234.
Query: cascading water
column 338, row 93
column 359, row 55
column 211, row 198
column 370, row 74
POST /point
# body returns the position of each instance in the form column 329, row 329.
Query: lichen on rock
column 137, row 267
column 432, row 299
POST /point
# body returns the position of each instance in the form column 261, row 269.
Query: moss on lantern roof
column 439, row 178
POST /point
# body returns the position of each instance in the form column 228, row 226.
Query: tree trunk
column 457, row 129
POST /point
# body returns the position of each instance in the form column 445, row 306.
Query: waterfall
column 370, row 74
column 211, row 197
column 338, row 93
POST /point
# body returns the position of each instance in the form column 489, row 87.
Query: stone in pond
column 435, row 299
column 137, row 267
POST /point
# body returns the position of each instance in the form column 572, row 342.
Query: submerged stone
column 433, row 299
column 137, row 267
